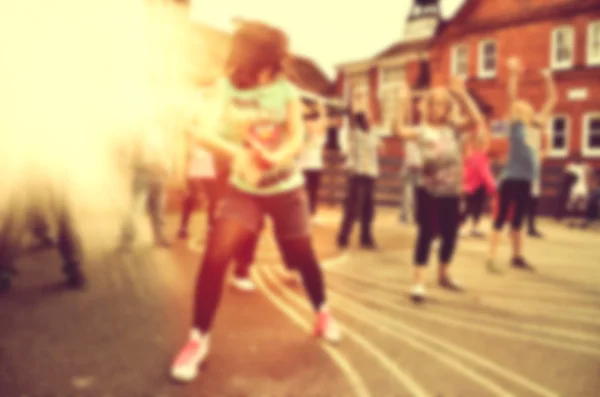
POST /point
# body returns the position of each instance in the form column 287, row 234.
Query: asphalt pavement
column 519, row 334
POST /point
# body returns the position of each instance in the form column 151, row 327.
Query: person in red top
column 478, row 180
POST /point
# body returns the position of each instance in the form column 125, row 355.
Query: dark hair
column 359, row 120
column 255, row 47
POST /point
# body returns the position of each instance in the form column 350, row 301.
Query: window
column 593, row 43
column 591, row 134
column 558, row 139
column 487, row 59
column 389, row 81
column 460, row 60
column 561, row 48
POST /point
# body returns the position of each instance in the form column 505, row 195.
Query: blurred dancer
column 259, row 129
column 411, row 174
column 311, row 158
column 521, row 168
column 39, row 197
column 363, row 169
column 149, row 173
column 478, row 181
column 439, row 201
column 201, row 178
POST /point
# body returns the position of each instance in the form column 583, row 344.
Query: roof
column 403, row 46
column 473, row 15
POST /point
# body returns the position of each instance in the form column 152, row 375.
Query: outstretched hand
column 514, row 65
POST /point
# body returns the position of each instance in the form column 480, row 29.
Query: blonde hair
column 452, row 108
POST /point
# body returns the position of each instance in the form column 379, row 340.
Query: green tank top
column 264, row 109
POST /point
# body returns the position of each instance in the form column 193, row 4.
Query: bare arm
column 552, row 98
column 514, row 71
column 459, row 89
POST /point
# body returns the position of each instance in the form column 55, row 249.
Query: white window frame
column 481, row 71
column 568, row 64
column 585, row 149
column 384, row 87
column 454, row 58
column 591, row 59
column 557, row 153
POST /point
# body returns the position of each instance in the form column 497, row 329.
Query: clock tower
column 423, row 20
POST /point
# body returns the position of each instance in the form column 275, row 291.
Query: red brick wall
column 531, row 43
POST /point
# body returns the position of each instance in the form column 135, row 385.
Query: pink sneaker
column 185, row 366
column 327, row 328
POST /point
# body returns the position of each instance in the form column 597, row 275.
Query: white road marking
column 470, row 325
column 353, row 377
column 530, row 310
column 415, row 389
column 449, row 361
column 397, row 329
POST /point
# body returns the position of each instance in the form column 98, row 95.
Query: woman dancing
column 363, row 169
column 438, row 201
column 520, row 169
column 259, row 128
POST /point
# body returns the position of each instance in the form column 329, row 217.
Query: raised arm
column 514, row 71
column 459, row 89
column 551, row 100
column 403, row 130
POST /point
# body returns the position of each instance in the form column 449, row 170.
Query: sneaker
column 327, row 328
column 450, row 284
column 477, row 233
column 535, row 234
column 417, row 293
column 342, row 244
column 316, row 220
column 492, row 267
column 188, row 360
column 368, row 245
column 521, row 263
column 244, row 284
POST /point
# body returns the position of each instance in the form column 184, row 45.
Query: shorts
column 289, row 211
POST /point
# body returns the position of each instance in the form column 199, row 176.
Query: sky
column 330, row 32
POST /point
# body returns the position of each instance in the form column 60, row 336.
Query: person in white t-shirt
column 578, row 195
column 311, row 159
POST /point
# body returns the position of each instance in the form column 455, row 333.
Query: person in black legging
column 363, row 169
column 441, row 180
column 568, row 181
column 520, row 169
column 259, row 130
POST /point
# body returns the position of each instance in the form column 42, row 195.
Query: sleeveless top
column 262, row 114
column 521, row 164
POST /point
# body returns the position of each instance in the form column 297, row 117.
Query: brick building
column 562, row 35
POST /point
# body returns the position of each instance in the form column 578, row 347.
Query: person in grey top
column 363, row 169
column 441, row 179
column 521, row 168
